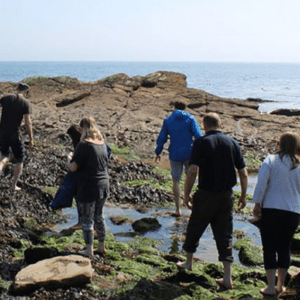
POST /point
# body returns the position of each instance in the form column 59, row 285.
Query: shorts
column 15, row 143
column 177, row 168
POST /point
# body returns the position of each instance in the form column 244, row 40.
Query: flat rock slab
column 57, row 272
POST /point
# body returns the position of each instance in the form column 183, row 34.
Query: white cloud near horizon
column 150, row 30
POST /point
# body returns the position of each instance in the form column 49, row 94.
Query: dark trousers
column 214, row 209
column 277, row 230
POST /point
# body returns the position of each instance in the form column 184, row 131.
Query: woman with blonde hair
column 277, row 202
column 90, row 162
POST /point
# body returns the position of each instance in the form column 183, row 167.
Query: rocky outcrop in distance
column 130, row 110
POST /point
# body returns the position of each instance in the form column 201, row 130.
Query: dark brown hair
column 212, row 120
column 180, row 104
column 289, row 144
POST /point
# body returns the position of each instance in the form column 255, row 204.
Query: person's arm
column 196, row 130
column 73, row 166
column 28, row 126
column 243, row 175
column 161, row 140
column 188, row 185
column 261, row 186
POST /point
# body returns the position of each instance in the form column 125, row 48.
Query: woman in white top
column 277, row 200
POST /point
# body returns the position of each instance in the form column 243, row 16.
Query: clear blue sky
column 150, row 30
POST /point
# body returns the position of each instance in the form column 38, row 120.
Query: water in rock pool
column 171, row 232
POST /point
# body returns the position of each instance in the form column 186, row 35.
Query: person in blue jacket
column 182, row 128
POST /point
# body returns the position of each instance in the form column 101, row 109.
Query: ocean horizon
column 278, row 82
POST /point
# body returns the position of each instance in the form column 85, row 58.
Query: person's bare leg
column 176, row 193
column 281, row 280
column 270, row 289
column 226, row 281
column 101, row 248
column 3, row 162
column 18, row 171
column 188, row 264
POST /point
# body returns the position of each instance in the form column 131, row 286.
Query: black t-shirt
column 217, row 157
column 14, row 107
column 93, row 179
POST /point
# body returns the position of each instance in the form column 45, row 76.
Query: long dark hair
column 289, row 144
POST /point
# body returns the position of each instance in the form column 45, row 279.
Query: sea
column 279, row 83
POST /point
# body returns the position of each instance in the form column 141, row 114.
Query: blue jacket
column 181, row 126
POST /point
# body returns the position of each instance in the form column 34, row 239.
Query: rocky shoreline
column 129, row 112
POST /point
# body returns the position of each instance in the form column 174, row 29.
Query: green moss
column 202, row 293
column 161, row 171
column 50, row 189
column 252, row 161
column 113, row 255
column 22, row 246
column 125, row 152
column 295, row 261
column 241, row 242
column 165, row 183
column 35, row 80
column 65, row 242
column 146, row 249
column 139, row 242
column 4, row 285
column 118, row 247
column 116, row 150
column 136, row 269
column 251, row 255
column 152, row 260
column 213, row 269
column 31, row 224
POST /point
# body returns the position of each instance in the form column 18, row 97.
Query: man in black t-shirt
column 14, row 108
column 215, row 158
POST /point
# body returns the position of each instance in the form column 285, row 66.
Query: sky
column 150, row 30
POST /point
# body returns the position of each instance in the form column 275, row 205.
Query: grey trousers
column 90, row 216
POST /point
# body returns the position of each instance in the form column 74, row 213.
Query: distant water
column 269, row 81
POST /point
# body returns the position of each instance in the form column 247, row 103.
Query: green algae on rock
column 251, row 255
column 146, row 224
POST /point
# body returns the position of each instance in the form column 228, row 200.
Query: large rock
column 60, row 271
column 286, row 112
column 146, row 224
column 251, row 255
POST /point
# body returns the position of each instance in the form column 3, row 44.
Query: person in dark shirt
column 90, row 160
column 215, row 158
column 14, row 108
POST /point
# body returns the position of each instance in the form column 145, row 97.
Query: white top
column 278, row 186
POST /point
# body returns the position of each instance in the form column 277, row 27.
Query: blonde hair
column 289, row 144
column 90, row 129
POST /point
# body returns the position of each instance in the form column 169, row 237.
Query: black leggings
column 277, row 230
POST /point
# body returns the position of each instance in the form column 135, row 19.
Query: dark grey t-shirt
column 93, row 179
column 14, row 107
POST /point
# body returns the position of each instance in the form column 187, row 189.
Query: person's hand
column 70, row 156
column 242, row 202
column 157, row 159
column 257, row 210
column 188, row 202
